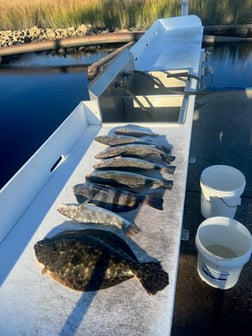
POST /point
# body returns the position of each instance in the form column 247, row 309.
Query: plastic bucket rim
column 209, row 255
column 223, row 192
column 226, row 193
column 218, row 193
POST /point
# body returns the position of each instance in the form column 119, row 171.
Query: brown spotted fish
column 128, row 180
column 131, row 163
column 88, row 261
column 136, row 131
column 90, row 213
column 115, row 140
column 137, row 150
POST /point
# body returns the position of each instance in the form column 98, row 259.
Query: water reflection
column 54, row 60
column 38, row 91
column 232, row 63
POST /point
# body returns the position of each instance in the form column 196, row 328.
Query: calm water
column 232, row 63
column 37, row 92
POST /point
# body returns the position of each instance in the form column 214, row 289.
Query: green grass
column 214, row 12
column 137, row 14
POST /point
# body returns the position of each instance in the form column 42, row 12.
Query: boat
column 152, row 85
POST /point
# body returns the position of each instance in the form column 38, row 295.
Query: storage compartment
column 145, row 109
column 136, row 96
column 156, row 82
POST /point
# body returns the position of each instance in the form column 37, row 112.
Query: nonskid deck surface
column 24, row 288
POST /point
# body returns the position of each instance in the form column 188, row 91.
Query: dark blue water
column 38, row 91
column 232, row 64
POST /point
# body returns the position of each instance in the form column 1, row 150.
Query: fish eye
column 58, row 245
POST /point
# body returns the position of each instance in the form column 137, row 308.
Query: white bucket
column 221, row 188
column 224, row 246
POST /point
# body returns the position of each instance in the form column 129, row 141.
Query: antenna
column 184, row 7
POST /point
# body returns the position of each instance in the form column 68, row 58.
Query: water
column 232, row 64
column 222, row 251
column 38, row 91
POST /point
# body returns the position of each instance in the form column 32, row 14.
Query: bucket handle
column 220, row 198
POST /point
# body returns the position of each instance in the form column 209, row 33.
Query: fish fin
column 168, row 184
column 168, row 158
column 56, row 277
column 152, row 277
column 154, row 201
column 131, row 230
column 168, row 170
column 86, row 201
column 44, row 270
column 166, row 149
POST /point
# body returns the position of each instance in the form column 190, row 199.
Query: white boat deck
column 31, row 303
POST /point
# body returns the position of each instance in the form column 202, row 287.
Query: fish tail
column 168, row 184
column 131, row 230
column 152, row 277
column 166, row 149
column 168, row 158
column 154, row 201
column 168, row 170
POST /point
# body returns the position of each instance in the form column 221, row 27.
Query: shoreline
column 35, row 34
column 9, row 38
column 84, row 37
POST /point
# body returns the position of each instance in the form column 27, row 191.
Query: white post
column 184, row 7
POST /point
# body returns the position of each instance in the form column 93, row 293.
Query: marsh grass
column 138, row 14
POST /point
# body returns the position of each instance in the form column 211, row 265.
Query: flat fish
column 136, row 131
column 114, row 199
column 115, row 140
column 86, row 261
column 106, row 236
column 129, row 163
column 90, row 213
column 137, row 150
column 127, row 179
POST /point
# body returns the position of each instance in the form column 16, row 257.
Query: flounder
column 89, row 260
column 135, row 130
column 115, row 140
column 137, row 150
column 134, row 164
column 129, row 180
